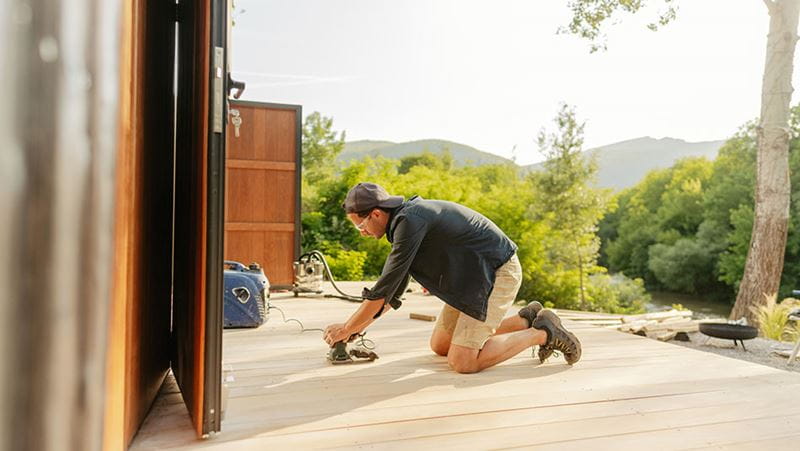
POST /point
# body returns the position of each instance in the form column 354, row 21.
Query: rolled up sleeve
column 408, row 235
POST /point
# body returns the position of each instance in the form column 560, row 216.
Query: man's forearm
column 365, row 315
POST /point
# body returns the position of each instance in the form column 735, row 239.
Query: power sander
column 343, row 352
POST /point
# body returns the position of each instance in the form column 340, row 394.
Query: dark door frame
column 199, row 205
column 218, row 114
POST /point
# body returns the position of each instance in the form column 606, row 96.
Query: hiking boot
column 558, row 338
column 544, row 353
column 530, row 311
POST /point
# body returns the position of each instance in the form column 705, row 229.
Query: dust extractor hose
column 342, row 295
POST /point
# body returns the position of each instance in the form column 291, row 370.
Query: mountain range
column 620, row 164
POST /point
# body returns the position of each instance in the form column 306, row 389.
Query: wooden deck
column 627, row 392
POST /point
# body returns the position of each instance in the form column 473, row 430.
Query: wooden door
column 198, row 223
column 262, row 221
column 139, row 330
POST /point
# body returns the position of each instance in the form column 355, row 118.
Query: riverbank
column 702, row 308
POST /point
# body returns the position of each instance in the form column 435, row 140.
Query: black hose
column 342, row 294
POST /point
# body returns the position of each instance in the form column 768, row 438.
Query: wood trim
column 203, row 68
column 260, row 227
column 138, row 332
column 298, row 180
column 116, row 433
column 263, row 165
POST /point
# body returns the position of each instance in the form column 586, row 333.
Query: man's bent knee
column 439, row 349
column 463, row 360
column 440, row 343
column 460, row 366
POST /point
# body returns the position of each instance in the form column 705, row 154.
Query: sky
column 492, row 74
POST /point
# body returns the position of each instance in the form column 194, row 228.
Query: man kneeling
column 463, row 258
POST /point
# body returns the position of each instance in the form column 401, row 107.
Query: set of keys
column 236, row 120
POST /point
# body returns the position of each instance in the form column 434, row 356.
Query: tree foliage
column 320, row 147
column 568, row 202
column 551, row 215
column 688, row 228
column 590, row 16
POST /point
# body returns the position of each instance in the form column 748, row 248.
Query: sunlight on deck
column 626, row 392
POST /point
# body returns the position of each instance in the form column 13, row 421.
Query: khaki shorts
column 469, row 332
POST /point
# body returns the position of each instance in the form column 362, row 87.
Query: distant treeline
column 684, row 229
column 687, row 228
column 551, row 214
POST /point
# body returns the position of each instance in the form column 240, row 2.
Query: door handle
column 236, row 86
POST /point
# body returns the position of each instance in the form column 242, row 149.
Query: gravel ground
column 759, row 350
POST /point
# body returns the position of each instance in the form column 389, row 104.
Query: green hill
column 366, row 145
column 623, row 164
column 462, row 155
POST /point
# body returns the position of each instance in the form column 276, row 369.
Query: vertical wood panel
column 262, row 193
column 280, row 136
column 266, row 134
column 271, row 249
column 140, row 327
column 190, row 252
column 149, row 314
column 123, row 286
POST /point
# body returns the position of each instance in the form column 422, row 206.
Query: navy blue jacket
column 449, row 249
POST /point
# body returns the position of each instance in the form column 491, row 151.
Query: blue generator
column 246, row 295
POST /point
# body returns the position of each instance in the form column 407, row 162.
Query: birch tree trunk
column 764, row 265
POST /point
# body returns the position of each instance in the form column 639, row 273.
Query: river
column 702, row 308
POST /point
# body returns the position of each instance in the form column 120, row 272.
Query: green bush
column 773, row 319
column 616, row 294
column 344, row 264
column 347, row 265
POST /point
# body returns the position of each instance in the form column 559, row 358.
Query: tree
column 426, row 158
column 321, row 146
column 765, row 257
column 764, row 265
column 573, row 206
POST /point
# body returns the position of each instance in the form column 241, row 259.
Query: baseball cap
column 366, row 196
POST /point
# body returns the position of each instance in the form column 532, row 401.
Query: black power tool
column 341, row 353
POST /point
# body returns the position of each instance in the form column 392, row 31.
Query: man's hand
column 335, row 333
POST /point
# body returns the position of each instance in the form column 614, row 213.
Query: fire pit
column 735, row 332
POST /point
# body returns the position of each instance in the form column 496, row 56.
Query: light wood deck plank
column 626, row 392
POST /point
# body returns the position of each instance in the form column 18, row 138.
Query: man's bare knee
column 440, row 342
column 463, row 366
column 439, row 347
column 463, row 360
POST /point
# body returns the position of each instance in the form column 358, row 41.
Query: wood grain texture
column 190, row 206
column 259, row 227
column 266, row 134
column 140, row 315
column 271, row 249
column 627, row 392
column 260, row 196
column 114, row 437
column 261, row 191
column 268, row 165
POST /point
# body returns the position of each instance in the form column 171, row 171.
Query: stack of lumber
column 662, row 325
column 593, row 318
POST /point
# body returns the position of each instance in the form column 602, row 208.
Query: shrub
column 344, row 264
column 773, row 319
